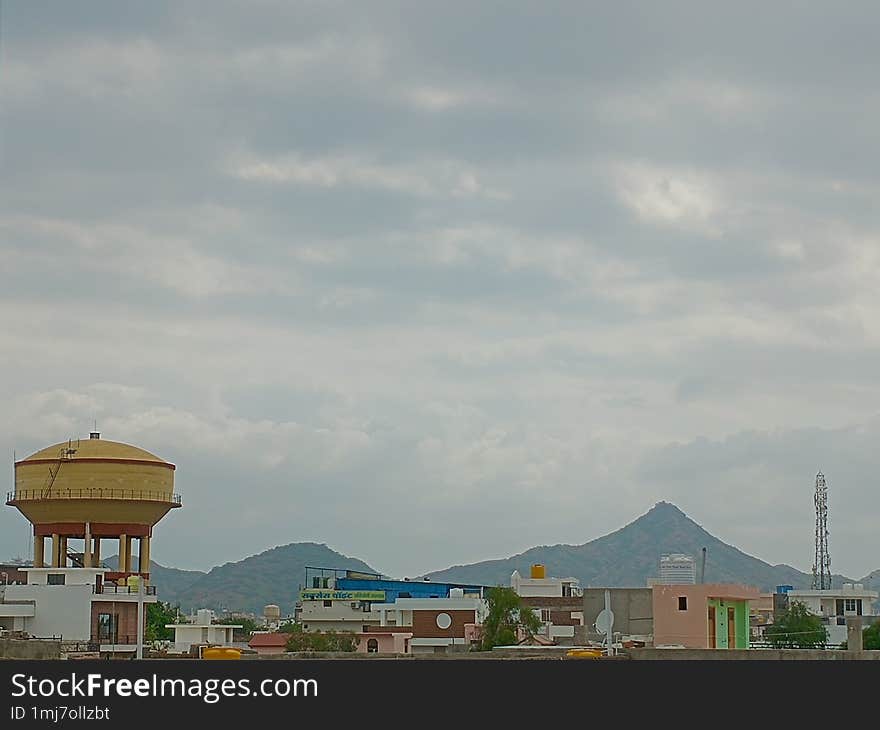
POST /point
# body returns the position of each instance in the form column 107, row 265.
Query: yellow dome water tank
column 91, row 490
column 538, row 571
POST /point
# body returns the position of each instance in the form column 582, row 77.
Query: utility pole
column 140, row 618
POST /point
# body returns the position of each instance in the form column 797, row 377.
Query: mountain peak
column 663, row 507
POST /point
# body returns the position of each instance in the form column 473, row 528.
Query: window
column 545, row 615
column 682, row 603
column 366, row 606
column 372, row 646
column 107, row 628
column 328, row 604
column 55, row 579
column 849, row 604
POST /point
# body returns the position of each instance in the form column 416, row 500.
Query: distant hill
column 872, row 581
column 273, row 576
column 630, row 555
column 170, row 581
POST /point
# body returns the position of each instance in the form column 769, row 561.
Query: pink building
column 383, row 642
column 268, row 643
column 702, row 615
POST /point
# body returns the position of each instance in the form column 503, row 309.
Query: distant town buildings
column 677, row 569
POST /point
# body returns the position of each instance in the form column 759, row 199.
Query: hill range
column 625, row 557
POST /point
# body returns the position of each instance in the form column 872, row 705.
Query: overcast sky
column 438, row 282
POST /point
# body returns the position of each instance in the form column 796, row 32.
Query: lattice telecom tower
column 822, row 561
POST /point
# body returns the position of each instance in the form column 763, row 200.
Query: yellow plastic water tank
column 221, row 652
column 584, row 653
column 538, row 571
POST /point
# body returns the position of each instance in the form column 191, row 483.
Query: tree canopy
column 159, row 614
column 299, row 640
column 506, row 615
column 797, row 628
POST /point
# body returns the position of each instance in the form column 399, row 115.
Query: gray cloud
column 468, row 278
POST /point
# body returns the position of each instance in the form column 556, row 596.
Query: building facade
column 556, row 602
column 437, row 625
column 75, row 605
column 702, row 616
column 835, row 605
column 202, row 632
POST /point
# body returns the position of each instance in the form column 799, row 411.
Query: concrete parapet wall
column 751, row 654
column 29, row 649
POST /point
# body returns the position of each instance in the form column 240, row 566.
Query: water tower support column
column 87, row 546
column 144, row 555
column 96, row 553
column 39, row 551
column 56, row 550
column 124, row 554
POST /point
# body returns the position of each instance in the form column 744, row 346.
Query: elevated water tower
column 93, row 490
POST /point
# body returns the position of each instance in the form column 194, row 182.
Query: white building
column 538, row 584
column 201, row 632
column 834, row 605
column 336, row 610
column 556, row 601
column 677, row 569
column 74, row 605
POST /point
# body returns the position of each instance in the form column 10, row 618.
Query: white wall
column 64, row 611
column 339, row 616
column 186, row 636
column 72, row 576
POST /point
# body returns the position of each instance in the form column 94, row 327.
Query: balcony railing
column 94, row 493
column 111, row 588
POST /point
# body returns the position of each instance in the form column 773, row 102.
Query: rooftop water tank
column 538, row 571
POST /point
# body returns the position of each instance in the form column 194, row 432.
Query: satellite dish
column 604, row 621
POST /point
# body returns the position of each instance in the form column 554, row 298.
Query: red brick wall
column 425, row 623
column 126, row 621
column 563, row 618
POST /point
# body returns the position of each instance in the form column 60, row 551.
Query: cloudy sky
column 438, row 282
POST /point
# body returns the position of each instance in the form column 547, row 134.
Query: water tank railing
column 94, row 493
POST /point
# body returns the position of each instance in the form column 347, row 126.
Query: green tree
column 870, row 637
column 797, row 628
column 506, row 614
column 289, row 627
column 299, row 640
column 159, row 614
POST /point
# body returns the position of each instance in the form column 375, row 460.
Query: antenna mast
column 822, row 561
